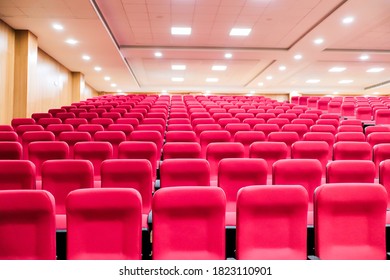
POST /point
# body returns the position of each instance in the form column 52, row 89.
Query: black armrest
column 313, row 258
column 388, row 255
column 150, row 220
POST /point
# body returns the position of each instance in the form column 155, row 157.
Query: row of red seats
column 106, row 223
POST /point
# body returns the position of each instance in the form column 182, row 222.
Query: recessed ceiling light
column 364, row 57
column 375, row 70
column 86, row 57
column 269, row 77
column 282, row 67
column 107, row 78
column 97, row 68
column 312, row 81
column 177, row 79
column 348, row 20
column 178, row 67
column 240, row 31
column 71, row 41
column 318, row 41
column 212, row 80
column 228, row 55
column 58, row 26
column 181, row 30
column 260, row 84
column 337, row 69
column 345, row 81
column 297, row 56
column 113, row 85
column 219, row 67
column 158, row 54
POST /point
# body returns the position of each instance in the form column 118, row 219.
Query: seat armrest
column 313, row 258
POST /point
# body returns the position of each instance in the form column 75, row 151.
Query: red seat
column 198, row 233
column 184, row 172
column 323, row 128
column 90, row 128
column 27, row 225
column 15, row 122
column 219, row 150
column 17, row 174
column 352, row 151
column 350, row 171
column 149, row 136
column 377, row 128
column 288, row 137
column 382, row 116
column 350, row 221
column 115, row 235
column 8, row 136
column 113, row 137
column 105, row 122
column 384, row 179
column 132, row 121
column 76, row 122
column 237, row 173
column 281, row 211
column 33, row 136
column 270, row 151
column 11, row 150
column 44, row 122
column 96, row 152
column 311, row 150
column 73, row 137
column 41, row 151
column 38, row 116
column 180, row 136
column 151, row 127
column 350, row 128
column 375, row 138
column 334, row 122
column 266, row 128
column 350, row 136
column 212, row 136
column 130, row 173
column 60, row 177
column 247, row 138
column 181, row 150
column 301, row 129
column 58, row 128
column 179, row 127
column 304, row 172
column 139, row 150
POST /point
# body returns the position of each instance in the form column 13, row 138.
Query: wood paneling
column 7, row 56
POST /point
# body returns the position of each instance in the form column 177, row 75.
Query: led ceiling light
column 212, row 80
column 71, row 41
column 178, row 67
column 177, row 79
column 158, row 54
column 228, row 55
column 240, row 31
column 348, row 20
column 336, row 69
column 375, row 70
column 318, row 41
column 181, row 30
column 297, row 56
column 345, row 81
column 219, row 67
column 312, row 81
column 58, row 26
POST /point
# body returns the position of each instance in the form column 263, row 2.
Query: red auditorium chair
column 382, row 116
column 21, row 121
column 350, row 128
column 131, row 114
column 17, row 174
column 308, row 115
column 33, row 136
column 279, row 121
column 381, row 152
column 350, row 171
column 265, row 116
column 130, row 173
column 159, row 121
column 44, row 122
column 6, row 127
column 288, row 137
column 113, row 137
column 174, row 120
column 271, row 222
column 223, row 122
column 56, row 111
column 181, row 150
column 301, row 129
column 237, row 173
column 350, row 221
column 90, row 128
column 198, row 129
column 179, row 127
column 180, row 136
column 323, row 128
column 376, row 128
column 8, row 136
column 364, row 113
column 139, row 150
column 27, row 225
column 196, row 122
column 212, row 136
column 243, row 116
column 198, row 233
column 60, row 177
column 347, row 150
column 351, row 122
column 347, row 109
column 270, row 151
column 134, row 122
column 247, row 138
column 76, row 122
column 58, row 128
column 111, row 115
column 38, row 116
column 233, row 128
column 321, row 136
column 41, row 151
column 127, row 129
column 151, row 127
column 184, row 172
column 73, row 137
column 375, row 138
column 384, row 179
column 21, row 129
column 350, row 136
column 105, row 122
column 96, row 152
column 116, row 235
column 219, row 150
column 148, row 136
column 311, row 150
column 65, row 115
column 11, row 150
column 253, row 121
column 334, row 122
column 304, row 172
column 267, row 128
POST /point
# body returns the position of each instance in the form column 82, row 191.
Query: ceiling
column 122, row 37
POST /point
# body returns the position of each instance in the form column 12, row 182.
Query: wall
column 7, row 57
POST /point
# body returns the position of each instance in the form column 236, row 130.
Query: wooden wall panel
column 7, row 56
column 54, row 85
